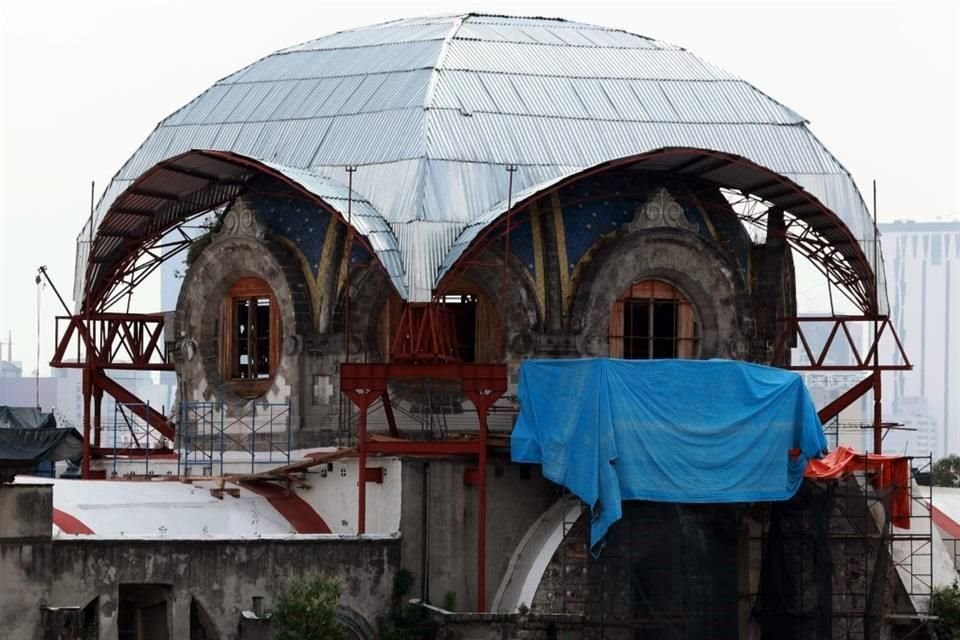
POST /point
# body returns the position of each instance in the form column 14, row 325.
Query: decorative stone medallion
column 661, row 210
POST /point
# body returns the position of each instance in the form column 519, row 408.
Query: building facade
column 452, row 196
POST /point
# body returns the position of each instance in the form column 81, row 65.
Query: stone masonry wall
column 222, row 575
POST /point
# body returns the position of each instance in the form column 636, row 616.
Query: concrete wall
column 516, row 496
column 223, row 576
column 26, row 511
column 490, row 626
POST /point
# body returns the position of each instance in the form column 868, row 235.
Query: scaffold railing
column 210, row 436
column 133, row 440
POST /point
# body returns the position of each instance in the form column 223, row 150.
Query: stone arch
column 523, row 316
column 706, row 277
column 239, row 249
column 355, row 624
column 370, row 291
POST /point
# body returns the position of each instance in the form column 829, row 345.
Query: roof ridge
column 428, row 100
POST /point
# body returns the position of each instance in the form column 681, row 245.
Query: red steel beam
column 839, row 327
column 847, row 398
column 152, row 417
column 164, row 453
column 483, row 384
column 425, row 447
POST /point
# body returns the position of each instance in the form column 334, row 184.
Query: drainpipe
column 425, row 536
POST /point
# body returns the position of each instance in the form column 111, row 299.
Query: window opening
column 653, row 320
column 250, row 337
column 462, row 310
column 251, row 357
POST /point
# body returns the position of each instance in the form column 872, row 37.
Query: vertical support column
column 877, row 405
column 482, row 510
column 362, row 398
column 97, row 423
column 362, row 466
column 877, row 383
column 86, row 385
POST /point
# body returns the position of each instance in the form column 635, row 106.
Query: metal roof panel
column 431, row 110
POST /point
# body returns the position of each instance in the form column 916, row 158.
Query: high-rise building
column 923, row 281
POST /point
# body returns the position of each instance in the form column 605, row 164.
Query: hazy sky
column 82, row 84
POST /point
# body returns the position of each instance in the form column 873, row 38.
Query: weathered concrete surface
column 493, row 626
column 516, row 496
column 26, row 511
column 223, row 576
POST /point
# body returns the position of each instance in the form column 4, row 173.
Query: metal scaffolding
column 209, row 436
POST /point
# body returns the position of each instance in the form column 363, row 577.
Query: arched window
column 650, row 320
column 249, row 337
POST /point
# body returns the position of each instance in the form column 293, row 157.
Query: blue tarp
column 707, row 431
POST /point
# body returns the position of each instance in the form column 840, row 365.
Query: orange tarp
column 891, row 471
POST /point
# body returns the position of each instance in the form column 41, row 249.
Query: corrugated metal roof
column 431, row 110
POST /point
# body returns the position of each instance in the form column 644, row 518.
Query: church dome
column 431, row 112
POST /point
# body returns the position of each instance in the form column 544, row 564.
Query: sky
column 83, row 84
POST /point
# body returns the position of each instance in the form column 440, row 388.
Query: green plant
column 450, row 601
column 307, row 609
column 197, row 246
column 202, row 241
column 945, row 605
column 406, row 621
column 946, row 471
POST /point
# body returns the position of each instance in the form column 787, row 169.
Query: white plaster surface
column 529, row 561
column 168, row 508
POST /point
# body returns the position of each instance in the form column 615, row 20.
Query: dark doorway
column 143, row 613
column 463, row 311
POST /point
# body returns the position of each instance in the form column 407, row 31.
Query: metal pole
column 97, row 421
column 362, row 466
column 42, row 270
column 85, row 465
column 146, row 455
column 115, row 407
column 348, row 248
column 88, row 365
column 877, row 384
column 253, row 439
column 482, row 510
column 36, row 373
column 511, row 169
column 425, row 535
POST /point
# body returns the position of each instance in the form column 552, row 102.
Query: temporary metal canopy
column 432, row 110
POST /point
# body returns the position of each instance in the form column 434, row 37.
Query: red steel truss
column 867, row 359
column 425, row 331
column 483, row 384
column 111, row 341
column 102, row 341
column 840, row 333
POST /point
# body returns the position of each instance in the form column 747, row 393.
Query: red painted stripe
column 945, row 522
column 69, row 524
column 295, row 509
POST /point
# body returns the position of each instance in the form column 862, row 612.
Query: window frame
column 648, row 293
column 252, row 290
